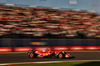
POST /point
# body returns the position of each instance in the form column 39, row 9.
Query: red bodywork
column 45, row 53
column 42, row 54
column 68, row 55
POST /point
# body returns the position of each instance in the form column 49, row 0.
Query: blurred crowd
column 34, row 22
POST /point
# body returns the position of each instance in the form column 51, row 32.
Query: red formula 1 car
column 49, row 54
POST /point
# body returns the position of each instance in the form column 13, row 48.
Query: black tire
column 61, row 55
column 32, row 55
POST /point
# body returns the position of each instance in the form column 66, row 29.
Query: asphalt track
column 23, row 57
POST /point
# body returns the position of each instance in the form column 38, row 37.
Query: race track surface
column 23, row 57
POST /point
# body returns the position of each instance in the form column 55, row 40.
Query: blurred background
column 26, row 23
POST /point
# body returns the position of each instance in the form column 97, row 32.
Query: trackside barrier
column 92, row 48
column 54, row 48
column 77, row 48
column 5, row 49
column 42, row 48
column 22, row 49
column 62, row 48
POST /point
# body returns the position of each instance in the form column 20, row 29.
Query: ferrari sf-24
column 48, row 54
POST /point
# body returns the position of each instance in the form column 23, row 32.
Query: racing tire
column 61, row 55
column 32, row 55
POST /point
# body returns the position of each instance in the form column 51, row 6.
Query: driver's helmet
column 43, row 50
column 46, row 50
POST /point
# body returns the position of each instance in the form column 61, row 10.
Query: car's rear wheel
column 31, row 55
column 60, row 55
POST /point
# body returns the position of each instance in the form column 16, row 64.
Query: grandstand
column 17, row 21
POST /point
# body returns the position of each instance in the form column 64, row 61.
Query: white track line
column 18, row 63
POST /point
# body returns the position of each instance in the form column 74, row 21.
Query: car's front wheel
column 60, row 55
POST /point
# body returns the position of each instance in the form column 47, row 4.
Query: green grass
column 84, row 63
